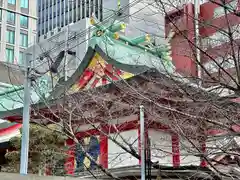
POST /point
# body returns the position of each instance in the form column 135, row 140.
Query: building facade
column 213, row 21
column 56, row 14
column 18, row 28
column 218, row 45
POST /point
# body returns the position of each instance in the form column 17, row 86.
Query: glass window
column 24, row 3
column 11, row 17
column 70, row 16
column 0, row 14
column 12, row 1
column 9, row 55
column 24, row 21
column 10, row 36
column 20, row 59
column 23, row 40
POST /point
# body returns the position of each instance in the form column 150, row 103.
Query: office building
column 18, row 28
column 55, row 14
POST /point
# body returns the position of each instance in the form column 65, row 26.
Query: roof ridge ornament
column 110, row 31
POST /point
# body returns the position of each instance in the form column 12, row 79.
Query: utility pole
column 197, row 39
column 142, row 138
column 26, row 118
column 65, row 54
column 66, row 42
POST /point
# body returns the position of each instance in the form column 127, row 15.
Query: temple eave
column 109, row 102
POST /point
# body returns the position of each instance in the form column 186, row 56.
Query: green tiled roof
column 13, row 98
column 133, row 55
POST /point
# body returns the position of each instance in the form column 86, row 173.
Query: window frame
column 13, row 2
column 23, row 40
column 22, row 19
column 7, row 55
column 0, row 14
column 24, row 4
column 9, row 20
column 9, row 39
column 20, row 60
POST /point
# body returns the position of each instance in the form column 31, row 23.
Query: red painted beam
column 110, row 75
column 95, row 82
column 104, row 81
column 109, row 128
column 215, row 132
column 203, row 149
column 87, row 75
column 104, row 149
column 175, row 150
column 10, row 129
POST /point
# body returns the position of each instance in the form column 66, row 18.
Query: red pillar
column 70, row 160
column 175, row 150
column 203, row 149
column 103, row 148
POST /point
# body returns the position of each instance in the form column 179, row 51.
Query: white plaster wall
column 216, row 145
column 117, row 157
column 188, row 152
column 161, row 147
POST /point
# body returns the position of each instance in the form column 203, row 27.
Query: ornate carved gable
column 98, row 73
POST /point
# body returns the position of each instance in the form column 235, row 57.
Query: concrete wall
column 117, row 157
column 51, row 47
column 187, row 152
column 141, row 17
column 11, row 74
column 161, row 147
